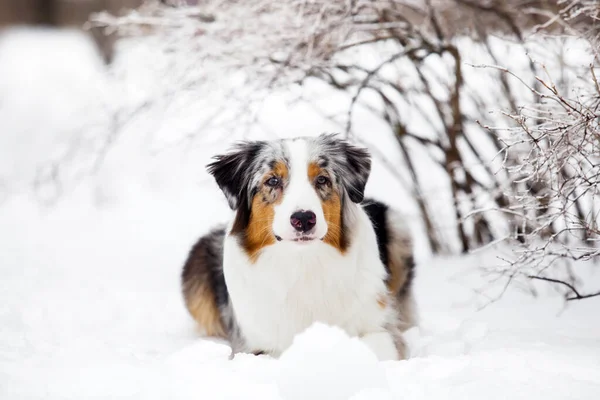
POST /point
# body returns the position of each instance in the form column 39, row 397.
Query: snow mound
column 90, row 301
column 325, row 363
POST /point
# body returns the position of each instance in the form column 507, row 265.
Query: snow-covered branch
column 406, row 62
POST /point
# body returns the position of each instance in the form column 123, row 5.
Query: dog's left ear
column 232, row 171
column 358, row 169
column 352, row 164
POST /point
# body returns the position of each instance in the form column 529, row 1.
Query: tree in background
column 65, row 13
column 527, row 172
column 554, row 151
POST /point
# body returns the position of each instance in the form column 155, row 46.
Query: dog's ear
column 233, row 171
column 358, row 169
column 352, row 164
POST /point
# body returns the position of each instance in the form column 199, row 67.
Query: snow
column 324, row 363
column 90, row 305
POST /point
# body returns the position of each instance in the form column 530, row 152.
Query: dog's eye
column 272, row 182
column 322, row 180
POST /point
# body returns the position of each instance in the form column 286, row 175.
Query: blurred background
column 483, row 121
column 62, row 14
column 452, row 96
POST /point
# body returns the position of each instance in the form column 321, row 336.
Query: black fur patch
column 205, row 261
column 377, row 214
column 233, row 171
column 217, row 277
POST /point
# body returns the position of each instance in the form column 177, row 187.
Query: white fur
column 300, row 195
column 293, row 285
column 382, row 344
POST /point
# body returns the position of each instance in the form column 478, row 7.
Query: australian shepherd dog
column 303, row 247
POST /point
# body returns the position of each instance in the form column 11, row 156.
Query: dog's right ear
column 233, row 171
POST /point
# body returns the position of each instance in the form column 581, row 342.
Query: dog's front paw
column 383, row 345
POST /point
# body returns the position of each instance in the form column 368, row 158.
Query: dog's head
column 291, row 190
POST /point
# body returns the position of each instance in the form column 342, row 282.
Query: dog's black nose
column 303, row 221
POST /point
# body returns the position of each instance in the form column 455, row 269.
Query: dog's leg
column 384, row 345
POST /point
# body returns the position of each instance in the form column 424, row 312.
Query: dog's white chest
column 288, row 289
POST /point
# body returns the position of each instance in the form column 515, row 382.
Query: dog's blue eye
column 322, row 180
column 272, row 182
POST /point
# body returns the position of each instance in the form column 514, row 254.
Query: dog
column 303, row 247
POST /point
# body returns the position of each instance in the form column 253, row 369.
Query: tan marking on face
column 259, row 232
column 331, row 204
column 200, row 302
column 313, row 171
column 332, row 209
column 280, row 170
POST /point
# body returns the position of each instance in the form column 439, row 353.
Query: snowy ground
column 89, row 289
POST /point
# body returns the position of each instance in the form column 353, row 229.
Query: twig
column 577, row 296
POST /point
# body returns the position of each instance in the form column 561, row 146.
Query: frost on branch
column 267, row 39
column 400, row 62
column 405, row 63
column 552, row 157
column 555, row 165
